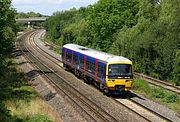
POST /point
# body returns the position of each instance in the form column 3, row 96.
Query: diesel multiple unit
column 109, row 72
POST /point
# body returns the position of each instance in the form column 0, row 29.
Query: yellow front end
column 112, row 83
column 119, row 83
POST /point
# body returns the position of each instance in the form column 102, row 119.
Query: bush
column 158, row 93
column 154, row 92
column 171, row 98
column 37, row 118
column 141, row 85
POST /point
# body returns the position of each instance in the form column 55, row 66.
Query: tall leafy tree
column 146, row 31
column 153, row 42
column 169, row 35
column 29, row 14
column 7, row 26
column 58, row 22
column 7, row 35
column 109, row 16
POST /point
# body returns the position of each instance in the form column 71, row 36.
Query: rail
column 47, row 56
column 77, row 97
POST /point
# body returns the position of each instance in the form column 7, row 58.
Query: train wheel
column 65, row 67
column 86, row 79
column 106, row 91
column 76, row 73
column 101, row 87
column 97, row 84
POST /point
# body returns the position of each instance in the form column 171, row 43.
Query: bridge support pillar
column 29, row 24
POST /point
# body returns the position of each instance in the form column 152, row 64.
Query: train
column 110, row 73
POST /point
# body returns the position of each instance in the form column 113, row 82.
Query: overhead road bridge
column 31, row 21
column 34, row 19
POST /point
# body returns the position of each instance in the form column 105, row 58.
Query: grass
column 158, row 94
column 34, row 110
column 37, row 118
column 57, row 50
column 19, row 101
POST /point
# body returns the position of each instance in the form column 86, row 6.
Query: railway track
column 93, row 110
column 145, row 112
column 159, row 83
column 150, row 80
column 47, row 55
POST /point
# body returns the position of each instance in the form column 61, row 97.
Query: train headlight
column 128, row 80
column 111, row 80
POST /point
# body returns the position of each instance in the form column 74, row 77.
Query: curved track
column 52, row 57
column 93, row 110
column 150, row 80
column 159, row 83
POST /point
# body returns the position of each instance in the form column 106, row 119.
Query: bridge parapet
column 34, row 19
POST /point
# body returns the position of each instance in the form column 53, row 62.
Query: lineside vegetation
column 158, row 94
column 15, row 94
column 145, row 31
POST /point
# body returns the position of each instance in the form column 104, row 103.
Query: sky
column 48, row 7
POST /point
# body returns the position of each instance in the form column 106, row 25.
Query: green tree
column 7, row 36
column 176, row 68
column 58, row 22
column 7, row 26
column 147, row 32
column 153, row 41
column 28, row 15
column 109, row 16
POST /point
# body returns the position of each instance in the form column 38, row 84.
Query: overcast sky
column 47, row 7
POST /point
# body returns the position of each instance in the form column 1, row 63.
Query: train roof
column 97, row 54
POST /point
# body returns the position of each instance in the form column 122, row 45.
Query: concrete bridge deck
column 34, row 19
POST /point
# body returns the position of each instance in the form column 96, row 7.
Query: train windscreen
column 120, row 71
